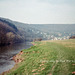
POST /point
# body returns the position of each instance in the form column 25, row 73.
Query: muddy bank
column 17, row 58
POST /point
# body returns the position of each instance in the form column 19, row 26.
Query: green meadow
column 47, row 58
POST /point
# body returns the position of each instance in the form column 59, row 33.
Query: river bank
column 17, row 58
column 46, row 58
column 7, row 53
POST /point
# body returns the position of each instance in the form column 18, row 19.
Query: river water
column 7, row 52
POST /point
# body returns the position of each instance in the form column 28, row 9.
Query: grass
column 47, row 58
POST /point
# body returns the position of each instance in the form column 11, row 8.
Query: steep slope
column 9, row 33
column 26, row 30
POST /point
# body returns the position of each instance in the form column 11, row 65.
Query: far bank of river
column 7, row 52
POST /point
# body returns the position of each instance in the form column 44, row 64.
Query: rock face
column 9, row 33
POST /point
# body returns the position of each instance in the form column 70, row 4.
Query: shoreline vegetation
column 45, row 58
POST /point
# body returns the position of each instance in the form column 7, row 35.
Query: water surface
column 7, row 52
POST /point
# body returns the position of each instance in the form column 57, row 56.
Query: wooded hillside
column 9, row 33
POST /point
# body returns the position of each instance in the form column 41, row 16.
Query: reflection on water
column 7, row 52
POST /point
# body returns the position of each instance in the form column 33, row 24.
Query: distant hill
column 29, row 32
column 9, row 33
column 56, row 30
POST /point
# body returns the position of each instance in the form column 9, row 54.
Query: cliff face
column 9, row 33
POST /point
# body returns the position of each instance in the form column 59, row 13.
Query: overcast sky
column 39, row 11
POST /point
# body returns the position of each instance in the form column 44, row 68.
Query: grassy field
column 47, row 58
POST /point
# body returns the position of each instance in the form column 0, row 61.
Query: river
column 7, row 52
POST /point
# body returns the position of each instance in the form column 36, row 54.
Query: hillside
column 26, row 30
column 9, row 33
column 44, row 31
column 56, row 31
column 46, row 58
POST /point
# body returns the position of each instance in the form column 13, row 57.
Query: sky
column 39, row 11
